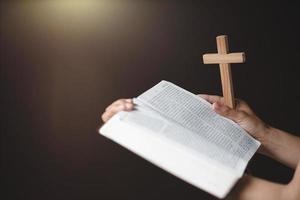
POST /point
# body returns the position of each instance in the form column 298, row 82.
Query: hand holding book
column 211, row 152
column 242, row 114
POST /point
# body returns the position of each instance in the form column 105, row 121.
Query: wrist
column 266, row 134
column 265, row 139
column 271, row 142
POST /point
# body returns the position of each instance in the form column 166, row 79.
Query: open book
column 179, row 132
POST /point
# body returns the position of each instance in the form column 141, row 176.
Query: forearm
column 282, row 147
column 250, row 188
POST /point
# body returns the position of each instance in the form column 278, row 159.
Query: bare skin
column 117, row 106
column 277, row 144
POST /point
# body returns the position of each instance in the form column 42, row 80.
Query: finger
column 104, row 117
column 121, row 107
column 116, row 103
column 227, row 112
column 129, row 106
column 243, row 106
column 112, row 111
column 212, row 98
column 115, row 109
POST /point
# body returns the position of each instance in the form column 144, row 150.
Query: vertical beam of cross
column 224, row 59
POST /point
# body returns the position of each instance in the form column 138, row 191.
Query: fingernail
column 128, row 100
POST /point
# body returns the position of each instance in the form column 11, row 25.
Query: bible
column 179, row 132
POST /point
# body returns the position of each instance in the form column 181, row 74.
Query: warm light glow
column 68, row 16
column 79, row 9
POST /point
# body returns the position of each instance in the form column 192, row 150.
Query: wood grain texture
column 215, row 58
column 224, row 59
column 225, row 69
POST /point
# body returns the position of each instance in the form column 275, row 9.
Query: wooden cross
column 224, row 59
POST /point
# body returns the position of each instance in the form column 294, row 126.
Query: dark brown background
column 63, row 62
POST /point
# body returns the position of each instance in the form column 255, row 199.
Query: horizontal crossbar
column 214, row 58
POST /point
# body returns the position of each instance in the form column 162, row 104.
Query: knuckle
column 121, row 107
column 242, row 115
column 123, row 100
column 119, row 101
column 243, row 103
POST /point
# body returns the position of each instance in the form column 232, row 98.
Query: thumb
column 227, row 112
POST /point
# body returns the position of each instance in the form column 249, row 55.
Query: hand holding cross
column 224, row 59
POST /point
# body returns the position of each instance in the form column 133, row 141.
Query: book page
column 142, row 132
column 166, row 130
column 218, row 138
